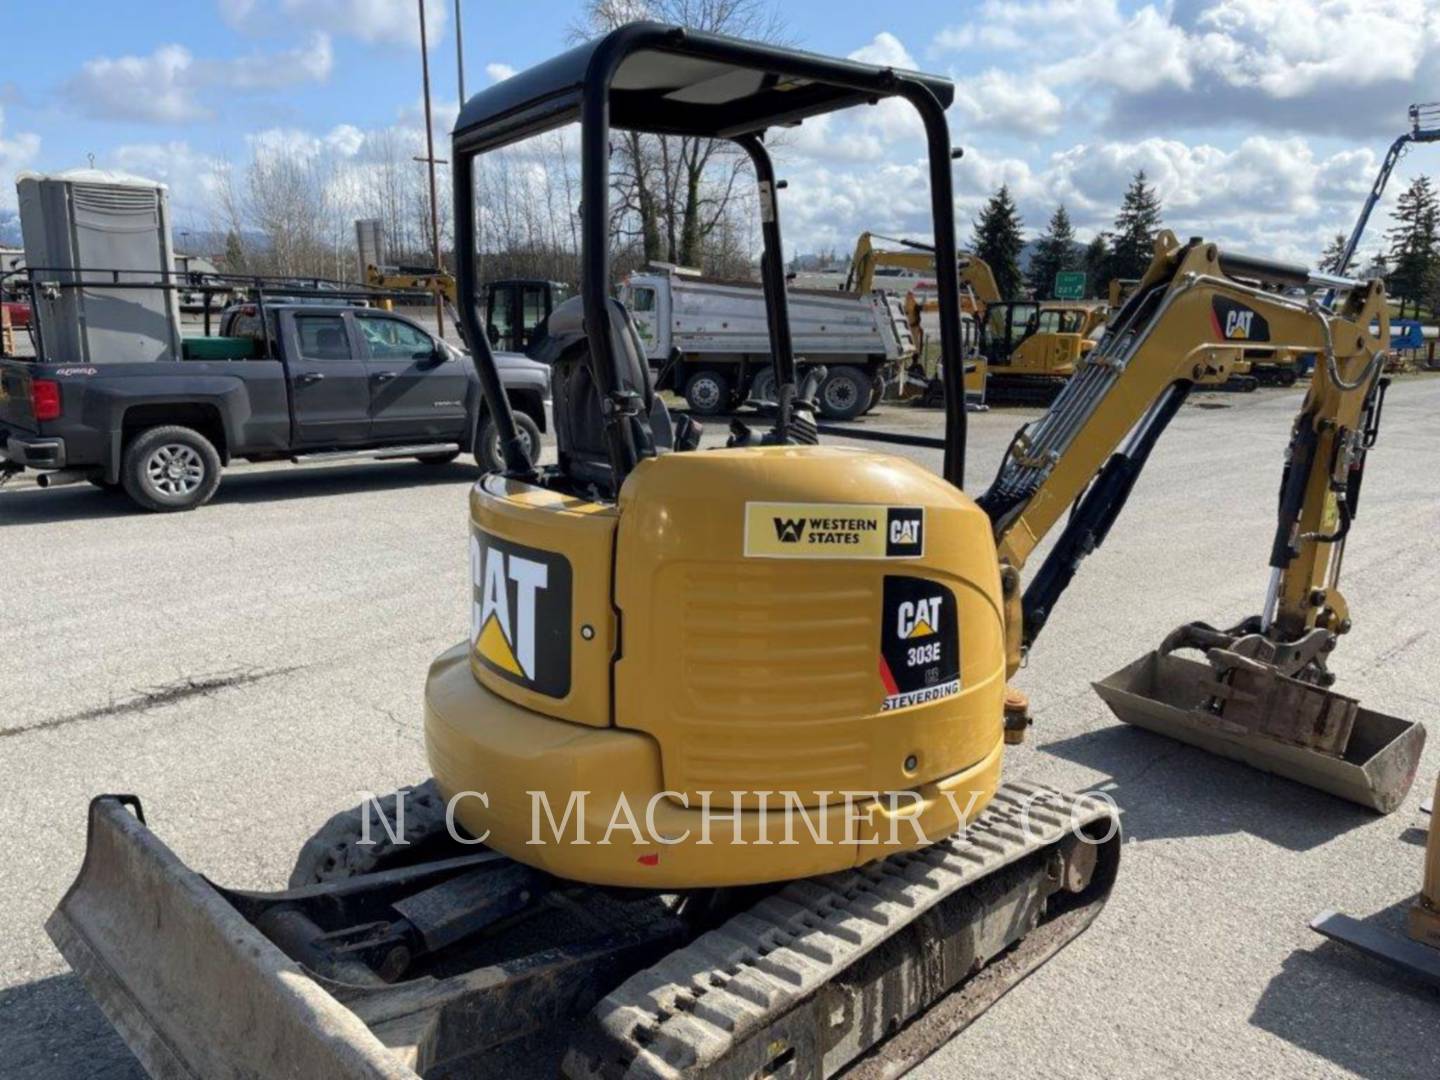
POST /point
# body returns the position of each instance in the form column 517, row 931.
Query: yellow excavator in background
column 411, row 277
column 920, row 380
column 717, row 773
column 1025, row 349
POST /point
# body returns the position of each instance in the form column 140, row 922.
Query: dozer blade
column 194, row 989
column 194, row 978
column 1169, row 695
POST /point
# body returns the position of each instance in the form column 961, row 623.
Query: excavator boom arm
column 1187, row 324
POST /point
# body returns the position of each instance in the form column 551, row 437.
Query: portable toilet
column 104, row 231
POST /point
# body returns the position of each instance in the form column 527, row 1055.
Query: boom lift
column 1424, row 128
column 653, row 625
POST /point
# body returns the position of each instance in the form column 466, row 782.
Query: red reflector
column 649, row 860
column 45, row 399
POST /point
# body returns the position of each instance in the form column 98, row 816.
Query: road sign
column 1070, row 285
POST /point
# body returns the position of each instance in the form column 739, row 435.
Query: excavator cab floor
column 1166, row 694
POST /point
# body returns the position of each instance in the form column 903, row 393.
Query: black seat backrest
column 579, row 426
column 330, row 344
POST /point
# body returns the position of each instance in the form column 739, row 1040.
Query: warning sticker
column 919, row 642
column 833, row 531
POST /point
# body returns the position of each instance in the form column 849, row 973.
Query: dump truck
column 777, row 620
column 719, row 330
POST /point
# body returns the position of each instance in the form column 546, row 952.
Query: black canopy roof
column 670, row 80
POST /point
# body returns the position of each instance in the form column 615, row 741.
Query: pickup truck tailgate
column 15, row 408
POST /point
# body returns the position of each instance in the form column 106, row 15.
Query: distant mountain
column 9, row 228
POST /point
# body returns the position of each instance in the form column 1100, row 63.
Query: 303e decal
column 919, row 642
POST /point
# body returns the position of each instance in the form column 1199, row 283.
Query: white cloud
column 1266, row 195
column 999, row 101
column 498, row 72
column 885, row 50
column 1335, row 66
column 17, row 152
column 236, row 12
column 376, row 22
column 154, row 87
column 193, row 177
column 169, row 85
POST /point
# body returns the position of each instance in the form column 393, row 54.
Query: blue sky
column 1261, row 122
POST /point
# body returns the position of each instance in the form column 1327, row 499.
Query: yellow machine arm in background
column 1182, row 327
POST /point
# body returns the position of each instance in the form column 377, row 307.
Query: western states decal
column 520, row 613
column 833, row 531
column 919, row 642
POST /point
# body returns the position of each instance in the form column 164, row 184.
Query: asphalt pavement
column 250, row 668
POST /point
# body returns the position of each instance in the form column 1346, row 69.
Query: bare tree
column 672, row 193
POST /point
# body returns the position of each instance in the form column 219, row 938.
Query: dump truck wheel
column 877, row 393
column 336, row 853
column 170, row 468
column 845, row 393
column 707, row 392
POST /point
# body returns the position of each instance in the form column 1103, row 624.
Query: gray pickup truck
column 296, row 381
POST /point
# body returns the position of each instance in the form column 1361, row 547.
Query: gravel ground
column 251, row 667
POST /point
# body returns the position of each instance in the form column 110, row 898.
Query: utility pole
column 459, row 54
column 429, row 159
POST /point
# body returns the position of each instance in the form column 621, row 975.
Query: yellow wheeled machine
column 717, row 774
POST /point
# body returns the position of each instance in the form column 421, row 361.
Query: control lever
column 795, row 425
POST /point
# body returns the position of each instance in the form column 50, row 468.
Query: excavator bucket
column 1273, row 723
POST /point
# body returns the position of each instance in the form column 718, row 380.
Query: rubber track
column 685, row 1014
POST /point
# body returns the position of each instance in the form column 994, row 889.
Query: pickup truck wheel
column 170, row 468
column 489, row 457
column 707, row 392
column 845, row 393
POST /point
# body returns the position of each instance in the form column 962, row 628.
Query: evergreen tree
column 234, row 253
column 1377, row 267
column 1096, row 264
column 1054, row 252
column 1413, row 250
column 998, row 241
column 1135, row 229
column 1333, row 253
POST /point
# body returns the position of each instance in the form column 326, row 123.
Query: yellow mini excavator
column 1023, row 349
column 717, row 773
column 920, row 381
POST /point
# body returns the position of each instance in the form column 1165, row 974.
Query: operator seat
column 579, row 424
